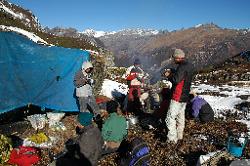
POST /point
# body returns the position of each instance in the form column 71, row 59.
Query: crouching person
column 201, row 109
column 86, row 148
column 114, row 128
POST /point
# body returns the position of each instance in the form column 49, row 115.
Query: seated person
column 114, row 129
column 200, row 108
column 86, row 148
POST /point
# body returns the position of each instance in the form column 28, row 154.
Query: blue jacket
column 202, row 110
column 197, row 103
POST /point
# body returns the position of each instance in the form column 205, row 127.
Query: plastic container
column 234, row 147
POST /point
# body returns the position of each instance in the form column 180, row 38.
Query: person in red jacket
column 181, row 80
column 134, row 76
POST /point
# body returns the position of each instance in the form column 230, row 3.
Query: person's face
column 119, row 111
column 178, row 59
column 167, row 73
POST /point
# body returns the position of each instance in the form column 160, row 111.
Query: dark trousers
column 206, row 113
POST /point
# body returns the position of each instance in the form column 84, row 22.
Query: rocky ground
column 198, row 139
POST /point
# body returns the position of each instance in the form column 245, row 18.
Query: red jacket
column 182, row 80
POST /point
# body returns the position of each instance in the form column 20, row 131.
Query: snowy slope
column 30, row 35
column 16, row 12
column 227, row 96
column 9, row 11
column 229, row 99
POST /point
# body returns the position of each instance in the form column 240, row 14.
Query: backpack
column 138, row 153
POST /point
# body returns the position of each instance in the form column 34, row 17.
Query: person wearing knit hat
column 181, row 83
column 178, row 53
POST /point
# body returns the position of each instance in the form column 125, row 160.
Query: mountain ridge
column 204, row 44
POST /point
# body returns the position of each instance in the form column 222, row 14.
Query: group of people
column 175, row 97
column 93, row 142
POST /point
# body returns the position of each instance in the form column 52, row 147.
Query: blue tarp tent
column 37, row 74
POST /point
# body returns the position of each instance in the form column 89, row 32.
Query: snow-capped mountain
column 124, row 32
column 16, row 12
column 92, row 32
column 17, row 19
column 198, row 25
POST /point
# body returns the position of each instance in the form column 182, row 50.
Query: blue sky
column 113, row 15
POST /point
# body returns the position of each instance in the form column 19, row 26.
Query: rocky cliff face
column 17, row 13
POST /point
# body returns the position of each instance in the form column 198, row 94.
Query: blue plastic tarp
column 36, row 74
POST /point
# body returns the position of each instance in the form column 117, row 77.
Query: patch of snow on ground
column 219, row 103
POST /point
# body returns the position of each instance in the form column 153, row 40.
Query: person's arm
column 124, row 127
column 106, row 131
column 195, row 109
column 128, row 71
column 79, row 79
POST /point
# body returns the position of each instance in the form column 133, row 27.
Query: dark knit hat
column 137, row 61
column 112, row 106
column 85, row 118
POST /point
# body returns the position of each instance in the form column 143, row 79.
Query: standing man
column 181, row 80
column 84, row 92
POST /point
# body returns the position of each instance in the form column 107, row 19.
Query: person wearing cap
column 114, row 128
column 181, row 83
column 134, row 76
column 84, row 92
column 86, row 148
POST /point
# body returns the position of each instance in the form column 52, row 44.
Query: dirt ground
column 198, row 139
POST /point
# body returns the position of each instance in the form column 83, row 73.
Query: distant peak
column 137, row 31
column 198, row 25
column 92, row 32
column 210, row 25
